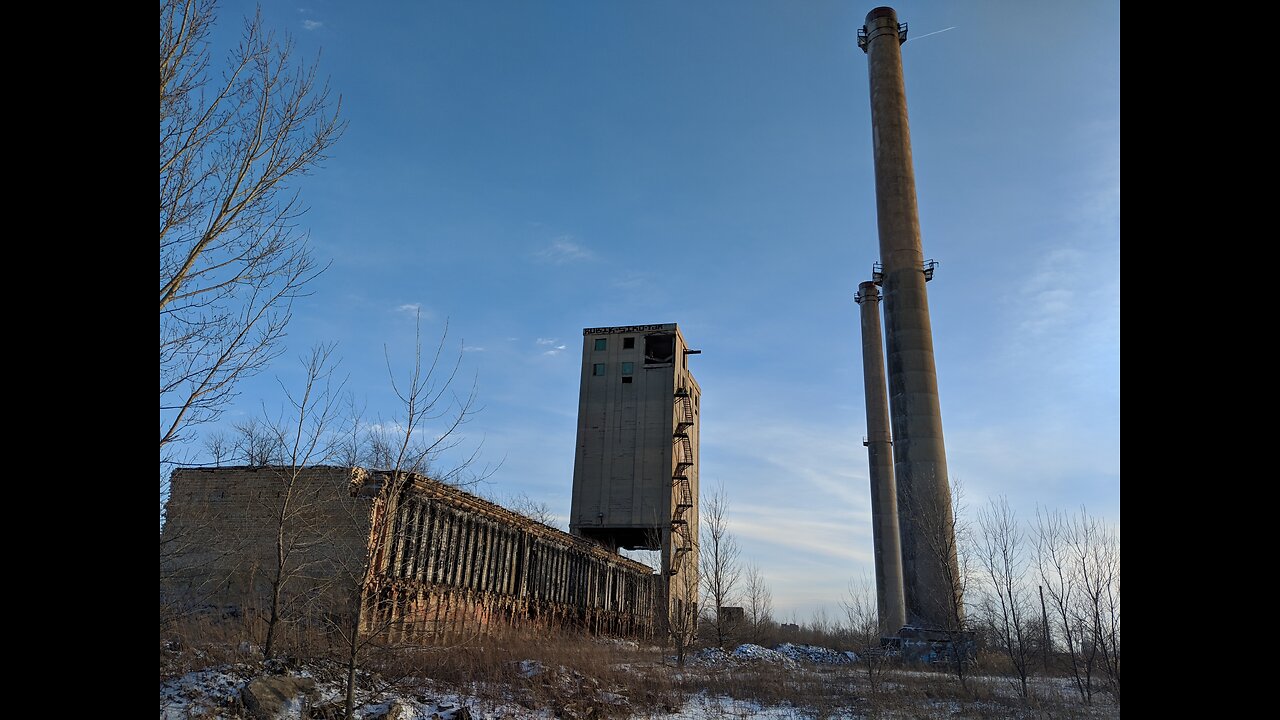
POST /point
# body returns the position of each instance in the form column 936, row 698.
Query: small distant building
column 731, row 615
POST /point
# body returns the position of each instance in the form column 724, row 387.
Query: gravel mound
column 755, row 653
column 815, row 654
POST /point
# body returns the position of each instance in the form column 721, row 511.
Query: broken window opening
column 659, row 348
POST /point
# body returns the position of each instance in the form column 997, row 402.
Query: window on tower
column 602, row 343
column 659, row 348
column 597, row 369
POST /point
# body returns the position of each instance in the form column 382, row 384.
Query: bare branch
column 721, row 569
column 759, row 606
column 232, row 258
column 1006, row 607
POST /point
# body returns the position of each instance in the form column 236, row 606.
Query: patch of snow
column 702, row 705
column 531, row 668
column 203, row 692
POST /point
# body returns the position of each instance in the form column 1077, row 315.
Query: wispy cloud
column 1047, row 299
column 416, row 310
column 630, row 281
column 564, row 249
column 553, row 345
column 472, row 348
column 312, row 24
column 815, row 524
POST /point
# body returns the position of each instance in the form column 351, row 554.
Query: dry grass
column 570, row 675
column 580, row 677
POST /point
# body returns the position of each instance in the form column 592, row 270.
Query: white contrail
column 935, row 32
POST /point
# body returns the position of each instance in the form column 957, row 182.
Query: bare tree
column 759, row 606
column 949, row 542
column 720, row 568
column 1007, row 607
column 219, row 446
column 1058, row 578
column 232, row 145
column 256, row 443
column 429, row 423
column 535, row 510
column 863, row 617
column 1101, row 577
column 681, row 596
column 1078, row 558
column 822, row 627
column 305, row 434
column 1079, row 561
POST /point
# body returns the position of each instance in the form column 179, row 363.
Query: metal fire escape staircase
column 681, row 488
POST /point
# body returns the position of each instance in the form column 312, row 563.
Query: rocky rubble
column 816, row 654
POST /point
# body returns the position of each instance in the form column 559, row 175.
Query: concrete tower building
column 635, row 473
column 926, row 525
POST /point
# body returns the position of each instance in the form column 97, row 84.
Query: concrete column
column 522, row 551
column 484, row 556
column 433, row 542
column 920, row 464
column 414, row 510
column 884, row 497
column 509, row 563
column 455, row 549
column 469, row 555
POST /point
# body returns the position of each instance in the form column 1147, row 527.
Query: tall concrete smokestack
column 884, row 499
column 929, row 567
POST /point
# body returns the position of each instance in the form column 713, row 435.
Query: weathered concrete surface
column 449, row 561
column 441, row 562
column 884, row 497
column 635, row 472
column 920, row 463
column 218, row 545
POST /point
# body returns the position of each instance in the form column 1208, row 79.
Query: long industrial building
column 432, row 560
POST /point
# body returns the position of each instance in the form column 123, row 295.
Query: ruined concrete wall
column 218, row 544
column 444, row 562
column 449, row 563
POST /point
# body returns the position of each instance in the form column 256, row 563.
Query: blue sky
column 527, row 169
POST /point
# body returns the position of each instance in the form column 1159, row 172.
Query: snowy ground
column 784, row 683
